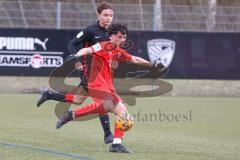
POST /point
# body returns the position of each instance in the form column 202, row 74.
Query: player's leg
column 76, row 98
column 96, row 107
column 99, row 107
column 102, row 93
column 118, row 134
column 105, row 122
column 93, row 108
column 80, row 96
column 104, row 118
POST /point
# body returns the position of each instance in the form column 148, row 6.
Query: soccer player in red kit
column 106, row 56
column 87, row 37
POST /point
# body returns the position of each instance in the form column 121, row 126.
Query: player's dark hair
column 103, row 6
column 117, row 27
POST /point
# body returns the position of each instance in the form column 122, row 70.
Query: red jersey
column 105, row 59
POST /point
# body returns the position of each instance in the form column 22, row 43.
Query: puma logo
column 41, row 43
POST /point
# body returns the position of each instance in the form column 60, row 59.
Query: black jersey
column 86, row 38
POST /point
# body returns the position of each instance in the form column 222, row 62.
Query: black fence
column 34, row 52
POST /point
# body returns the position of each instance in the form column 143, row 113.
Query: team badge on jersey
column 97, row 47
column 161, row 51
column 80, row 34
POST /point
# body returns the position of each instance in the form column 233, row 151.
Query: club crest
column 161, row 50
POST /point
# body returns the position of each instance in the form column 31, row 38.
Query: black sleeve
column 79, row 41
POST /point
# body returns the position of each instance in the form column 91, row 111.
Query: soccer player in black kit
column 86, row 38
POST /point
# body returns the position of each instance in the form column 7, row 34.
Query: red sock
column 69, row 97
column 93, row 108
column 118, row 133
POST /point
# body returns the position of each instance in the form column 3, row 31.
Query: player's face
column 105, row 17
column 118, row 38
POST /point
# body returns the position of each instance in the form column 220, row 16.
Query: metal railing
column 75, row 15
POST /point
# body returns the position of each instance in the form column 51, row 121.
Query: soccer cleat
column 44, row 97
column 119, row 148
column 108, row 138
column 66, row 117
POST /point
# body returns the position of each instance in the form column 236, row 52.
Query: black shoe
column 108, row 138
column 66, row 117
column 119, row 148
column 44, row 97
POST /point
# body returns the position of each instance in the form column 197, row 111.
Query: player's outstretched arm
column 141, row 61
column 84, row 51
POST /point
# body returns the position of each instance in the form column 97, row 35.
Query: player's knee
column 119, row 108
column 78, row 100
column 108, row 105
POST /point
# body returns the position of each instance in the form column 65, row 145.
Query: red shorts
column 99, row 93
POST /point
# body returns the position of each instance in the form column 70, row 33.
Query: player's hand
column 160, row 67
column 76, row 55
column 71, row 57
column 78, row 66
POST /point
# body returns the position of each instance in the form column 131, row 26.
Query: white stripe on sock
column 117, row 141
